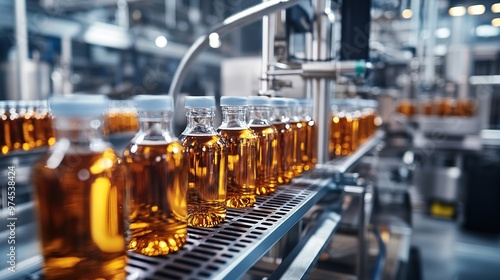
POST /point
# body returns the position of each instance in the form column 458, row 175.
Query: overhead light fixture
column 487, row 31
column 495, row 8
column 457, row 11
column 161, row 41
column 475, row 10
column 442, row 33
column 214, row 40
column 495, row 22
column 407, row 13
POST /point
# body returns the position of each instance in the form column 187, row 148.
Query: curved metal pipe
column 240, row 19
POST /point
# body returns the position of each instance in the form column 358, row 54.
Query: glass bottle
column 205, row 151
column 26, row 110
column 5, row 144
column 309, row 143
column 79, row 191
column 158, row 188
column 240, row 144
column 266, row 146
column 298, row 137
column 16, row 125
column 280, row 120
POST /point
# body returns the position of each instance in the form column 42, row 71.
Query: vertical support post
column 21, row 29
column 268, row 29
column 432, row 14
column 66, row 56
column 361, row 268
column 320, row 88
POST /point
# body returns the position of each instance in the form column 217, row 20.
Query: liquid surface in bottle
column 266, row 159
column 207, row 179
column 284, row 146
column 120, row 121
column 158, row 211
column 308, row 147
column 241, row 167
column 81, row 223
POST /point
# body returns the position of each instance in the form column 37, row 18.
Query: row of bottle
column 352, row 122
column 25, row 125
column 161, row 184
column 443, row 107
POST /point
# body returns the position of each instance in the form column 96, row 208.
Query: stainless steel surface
column 485, row 80
column 230, row 249
column 302, row 259
column 21, row 29
column 268, row 29
column 38, row 73
column 342, row 165
column 453, row 126
column 490, row 137
column 240, row 19
column 440, row 183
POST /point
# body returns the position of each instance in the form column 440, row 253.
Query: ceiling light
column 442, row 33
column 161, row 41
column 457, row 11
column 406, row 13
column 495, row 8
column 495, row 22
column 487, row 31
column 476, row 10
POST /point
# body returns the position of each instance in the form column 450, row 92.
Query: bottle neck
column 155, row 123
column 305, row 113
column 200, row 121
column 280, row 114
column 233, row 117
column 79, row 130
column 258, row 115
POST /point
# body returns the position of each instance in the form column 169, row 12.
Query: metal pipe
column 320, row 88
column 268, row 29
column 233, row 22
column 170, row 13
column 429, row 70
column 66, row 56
column 21, row 30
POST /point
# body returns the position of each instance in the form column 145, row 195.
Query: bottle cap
column 259, row 101
column 305, row 102
column 200, row 102
column 233, row 101
column 279, row 102
column 156, row 103
column 78, row 105
column 291, row 102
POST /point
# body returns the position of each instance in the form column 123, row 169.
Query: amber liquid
column 363, row 131
column 207, row 179
column 79, row 204
column 158, row 197
column 298, row 138
column 407, row 108
column 241, row 167
column 266, row 159
column 335, row 145
column 308, row 145
column 465, row 108
column 445, row 107
column 284, row 146
column 5, row 144
column 16, row 131
column 115, row 122
column 427, row 109
column 28, row 128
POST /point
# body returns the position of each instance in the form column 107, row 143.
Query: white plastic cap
column 259, row 101
column 233, row 101
column 279, row 102
column 155, row 103
column 292, row 102
column 78, row 105
column 200, row 102
column 305, row 102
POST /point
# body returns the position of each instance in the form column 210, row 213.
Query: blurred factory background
column 435, row 201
